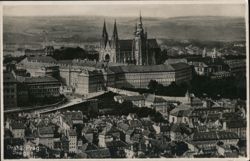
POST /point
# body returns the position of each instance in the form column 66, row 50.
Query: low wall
column 122, row 91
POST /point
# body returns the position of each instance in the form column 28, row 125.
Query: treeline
column 201, row 86
column 70, row 53
column 232, row 87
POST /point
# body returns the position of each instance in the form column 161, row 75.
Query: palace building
column 139, row 51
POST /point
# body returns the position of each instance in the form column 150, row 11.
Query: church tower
column 114, row 39
column 114, row 44
column 105, row 36
column 139, row 44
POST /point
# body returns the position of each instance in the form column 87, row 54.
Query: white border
column 16, row 3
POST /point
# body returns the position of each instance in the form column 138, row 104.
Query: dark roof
column 44, row 59
column 133, row 98
column 125, row 45
column 116, row 143
column 139, row 69
column 237, row 124
column 44, row 79
column 179, row 66
column 99, row 153
column 72, row 132
column 214, row 135
column 46, row 130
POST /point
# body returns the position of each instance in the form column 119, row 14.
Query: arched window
column 107, row 57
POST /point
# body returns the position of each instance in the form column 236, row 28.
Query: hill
column 88, row 29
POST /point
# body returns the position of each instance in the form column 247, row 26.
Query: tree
column 152, row 85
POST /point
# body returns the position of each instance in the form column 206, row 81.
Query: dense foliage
column 73, row 53
column 232, row 87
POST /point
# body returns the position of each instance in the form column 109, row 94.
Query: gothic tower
column 139, row 44
column 105, row 36
column 109, row 48
column 115, row 44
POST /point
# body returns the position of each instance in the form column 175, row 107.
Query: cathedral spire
column 115, row 33
column 140, row 18
column 104, row 34
column 115, row 36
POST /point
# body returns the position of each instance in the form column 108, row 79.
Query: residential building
column 17, row 129
column 72, row 141
column 46, row 136
column 41, row 87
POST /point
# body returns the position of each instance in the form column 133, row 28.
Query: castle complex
column 122, row 64
column 139, row 51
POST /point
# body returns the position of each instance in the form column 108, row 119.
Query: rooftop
column 44, row 59
column 214, row 135
column 41, row 79
column 46, row 130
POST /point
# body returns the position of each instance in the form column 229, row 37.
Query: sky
column 126, row 9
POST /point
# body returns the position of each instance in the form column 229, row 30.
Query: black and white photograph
column 124, row 79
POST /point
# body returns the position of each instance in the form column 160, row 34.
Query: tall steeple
column 140, row 18
column 115, row 36
column 140, row 27
column 104, row 35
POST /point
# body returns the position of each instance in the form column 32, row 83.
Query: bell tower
column 139, row 44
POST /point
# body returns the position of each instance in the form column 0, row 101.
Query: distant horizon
column 121, row 16
column 126, row 10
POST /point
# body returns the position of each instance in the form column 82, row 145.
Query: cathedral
column 139, row 51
